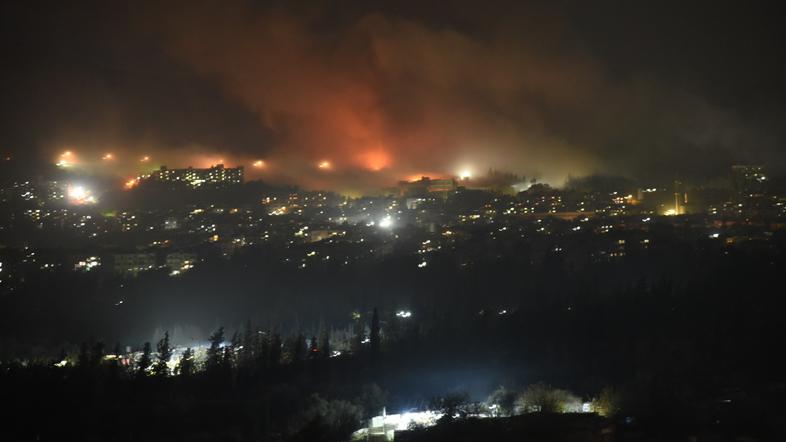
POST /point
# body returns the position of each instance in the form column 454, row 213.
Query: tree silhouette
column 360, row 334
column 161, row 369
column 298, row 348
column 275, row 350
column 324, row 343
column 313, row 349
column 145, row 361
column 249, row 346
column 374, row 335
column 185, row 367
column 215, row 355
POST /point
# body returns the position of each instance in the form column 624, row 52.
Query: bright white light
column 465, row 174
column 80, row 195
column 386, row 222
column 422, row 264
column 404, row 314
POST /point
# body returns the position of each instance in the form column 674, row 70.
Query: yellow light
column 130, row 184
column 465, row 175
column 259, row 164
column 108, row 157
column 324, row 165
column 145, row 159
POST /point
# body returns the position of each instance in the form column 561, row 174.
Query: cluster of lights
column 88, row 264
column 404, row 314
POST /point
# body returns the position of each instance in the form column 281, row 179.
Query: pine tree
column 114, row 364
column 144, row 361
column 360, row 334
column 249, row 346
column 324, row 343
column 97, row 354
column 297, row 348
column 374, row 335
column 233, row 350
column 215, row 354
column 185, row 367
column 275, row 350
column 83, row 360
column 313, row 349
column 161, row 368
column 262, row 351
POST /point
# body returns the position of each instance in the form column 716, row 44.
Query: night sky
column 391, row 90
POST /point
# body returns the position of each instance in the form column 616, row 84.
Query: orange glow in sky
column 375, row 160
column 145, row 159
column 108, row 156
column 258, row 164
column 325, row 165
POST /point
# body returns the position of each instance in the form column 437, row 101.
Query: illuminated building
column 133, row 263
column 748, row 180
column 216, row 176
column 425, row 185
column 179, row 262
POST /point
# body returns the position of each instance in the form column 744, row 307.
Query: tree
column 275, row 350
column 114, row 363
column 324, row 343
column 451, row 405
column 313, row 349
column 83, row 360
column 161, row 369
column 185, row 367
column 97, row 354
column 607, row 403
column 544, row 398
column 374, row 335
column 262, row 351
column 297, row 348
column 215, row 354
column 145, row 361
column 360, row 333
column 503, row 401
column 231, row 352
column 325, row 420
column 249, row 346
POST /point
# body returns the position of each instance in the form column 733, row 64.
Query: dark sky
column 386, row 90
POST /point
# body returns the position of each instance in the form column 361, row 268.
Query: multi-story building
column 217, row 175
column 748, row 180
